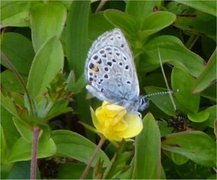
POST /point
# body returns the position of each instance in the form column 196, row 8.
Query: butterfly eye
column 143, row 103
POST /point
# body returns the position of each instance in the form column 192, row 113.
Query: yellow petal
column 135, row 125
column 112, row 107
column 95, row 120
column 115, row 123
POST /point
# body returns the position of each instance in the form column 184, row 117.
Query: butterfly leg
column 96, row 93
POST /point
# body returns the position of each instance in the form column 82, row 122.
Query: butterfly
column 111, row 74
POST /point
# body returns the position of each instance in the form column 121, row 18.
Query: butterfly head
column 143, row 103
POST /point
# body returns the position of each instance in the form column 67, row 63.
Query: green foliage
column 195, row 145
column 44, row 45
column 141, row 8
column 20, row 170
column 207, row 76
column 185, row 85
column 208, row 7
column 72, row 145
column 76, row 48
column 147, row 163
column 48, row 61
column 21, row 151
column 14, row 13
column 72, row 171
column 52, row 16
column 162, row 102
column 19, row 50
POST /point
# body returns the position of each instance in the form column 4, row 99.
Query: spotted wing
column 110, row 67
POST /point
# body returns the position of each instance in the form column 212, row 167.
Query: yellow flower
column 115, row 123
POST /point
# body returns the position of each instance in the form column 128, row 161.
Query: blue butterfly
column 111, row 74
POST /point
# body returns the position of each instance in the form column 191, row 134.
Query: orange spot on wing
column 95, row 69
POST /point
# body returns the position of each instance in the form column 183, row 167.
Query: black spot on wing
column 109, row 63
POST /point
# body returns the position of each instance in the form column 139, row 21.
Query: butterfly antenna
column 160, row 93
column 165, row 79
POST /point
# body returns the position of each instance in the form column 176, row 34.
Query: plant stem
column 35, row 139
column 166, row 82
column 119, row 150
column 20, row 79
column 98, row 147
column 110, row 166
column 191, row 41
column 101, row 4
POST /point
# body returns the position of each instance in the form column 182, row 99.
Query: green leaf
column 139, row 29
column 199, row 117
column 186, row 101
column 212, row 115
column 172, row 51
column 76, row 36
column 178, row 159
column 215, row 128
column 10, row 83
column 189, row 170
column 163, row 102
column 142, row 8
column 120, row 167
column 208, row 75
column 72, row 171
column 208, row 46
column 18, row 49
column 14, row 13
column 3, row 145
column 195, row 145
column 47, row 20
column 199, row 23
column 97, row 25
column 24, row 129
column 47, row 63
column 21, row 151
column 125, row 174
column 213, row 176
column 76, row 87
column 193, row 22
column 10, row 131
column 122, row 20
column 72, row 145
column 205, row 6
column 210, row 93
column 147, row 160
column 164, row 129
column 163, row 175
column 155, row 22
column 21, row 170
column 58, row 109
column 76, row 48
column 8, row 104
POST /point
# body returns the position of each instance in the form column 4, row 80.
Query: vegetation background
column 44, row 45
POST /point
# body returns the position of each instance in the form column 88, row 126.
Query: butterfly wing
column 110, row 68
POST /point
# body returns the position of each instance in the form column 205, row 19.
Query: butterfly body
column 111, row 74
